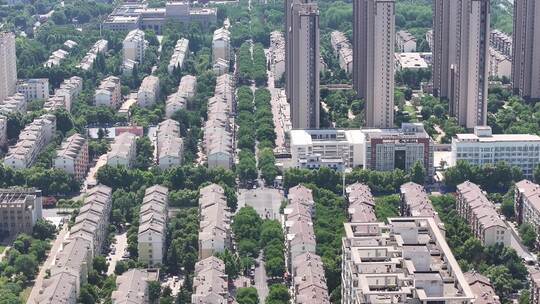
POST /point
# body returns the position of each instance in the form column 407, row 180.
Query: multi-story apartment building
column 486, row 225
column 100, row 47
column 3, row 131
column 13, row 104
column 406, row 260
column 303, row 68
column 123, row 151
column 74, row 258
column 526, row 49
column 153, row 225
column 210, row 282
column 181, row 50
column 482, row 288
column 72, row 157
column 361, row 204
column 535, row 287
column 277, row 55
column 501, row 42
column 405, row 42
column 8, row 65
column 499, row 65
column 61, row 288
column 188, row 87
column 308, row 280
column 342, row 50
column 134, row 46
column 20, row 208
column 429, row 39
column 34, row 89
column 169, row 144
column 221, row 45
column 389, row 149
column 373, row 70
column 132, row 286
column 214, row 231
column 148, row 93
column 415, row 202
column 461, row 58
column 174, row 102
column 65, row 94
column 109, row 93
column 527, row 203
column 482, row 147
column 32, row 140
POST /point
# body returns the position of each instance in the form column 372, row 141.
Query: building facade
column 461, row 58
column 34, row 89
column 8, row 65
column 123, row 151
column 153, row 225
column 3, row 131
column 405, row 42
column 19, row 210
column 373, row 59
column 526, row 49
column 181, row 50
column 170, row 146
column 72, row 157
column 148, row 93
column 215, row 218
column 527, row 203
column 109, row 93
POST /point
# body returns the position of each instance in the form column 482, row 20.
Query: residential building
column 501, row 42
column 148, row 93
column 74, row 258
column 64, row 95
column 412, row 61
column 499, row 65
column 56, row 58
column 482, row 288
column 373, row 71
column 32, row 140
column 13, row 104
column 415, row 202
column 277, row 54
column 3, row 131
column 109, row 93
column 429, row 39
column 535, row 287
column 486, row 225
column 404, row 261
column 361, row 204
column 169, row 144
column 153, row 225
column 461, row 58
column 526, row 49
column 308, row 280
column 180, row 52
column 8, row 65
column 123, row 151
column 60, row 288
column 389, row 149
column 483, row 147
column 20, row 208
column 405, row 42
column 132, row 286
column 188, row 87
column 72, row 157
column 302, row 71
column 220, row 67
column 214, row 231
column 210, row 282
column 527, row 203
column 34, row 89
column 134, row 46
column 100, row 47
column 221, row 45
column 342, row 50
column 174, row 102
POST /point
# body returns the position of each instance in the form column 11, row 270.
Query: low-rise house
column 72, row 157
column 123, row 151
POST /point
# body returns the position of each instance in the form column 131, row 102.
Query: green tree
column 418, row 173
column 43, row 230
column 26, row 264
column 247, row 295
column 154, row 291
column 528, row 235
column 278, row 294
column 100, row 264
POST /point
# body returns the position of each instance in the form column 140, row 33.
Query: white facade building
column 34, row 89
column 123, row 151
column 134, row 47
column 180, row 53
column 153, row 225
column 8, row 65
column 148, row 93
column 109, row 93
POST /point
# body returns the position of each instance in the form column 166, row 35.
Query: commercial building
column 153, row 225
column 361, row 204
column 373, row 71
column 486, row 225
column 20, row 208
column 342, row 50
column 215, row 218
column 526, row 49
column 303, row 65
column 8, row 65
column 169, row 144
column 132, row 286
column 221, row 45
column 100, row 47
column 72, row 157
column 482, row 288
column 412, row 61
column 415, row 202
column 148, row 93
column 461, row 58
column 527, row 203
column 482, row 147
column 13, row 104
column 123, row 151
column 405, row 42
column 109, row 93
column 34, row 89
column 406, row 260
column 3, row 131
column 210, row 282
column 134, row 46
column 277, row 54
column 32, row 140
column 180, row 53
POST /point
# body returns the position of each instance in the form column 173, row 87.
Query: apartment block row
column 482, row 288
column 32, row 141
column 361, row 204
column 148, row 93
column 218, row 129
column 72, row 157
column 306, row 267
column 132, row 286
column 100, row 47
column 153, row 225
column 109, row 93
column 15, row 103
column 34, row 89
column 405, row 42
column 70, row 269
column 133, row 48
column 65, row 95
column 123, row 151
column 501, row 42
column 221, row 51
column 169, row 144
column 500, row 65
column 215, row 219
column 406, row 260
column 481, row 215
column 342, row 50
column 20, row 208
column 210, row 284
column 277, row 54
column 56, row 58
column 181, row 50
column 415, row 202
column 178, row 100
column 527, row 203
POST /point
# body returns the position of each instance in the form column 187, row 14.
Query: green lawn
column 412, row 112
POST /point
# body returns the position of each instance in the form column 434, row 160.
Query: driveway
column 116, row 255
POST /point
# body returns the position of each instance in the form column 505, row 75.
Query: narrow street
column 261, row 279
column 275, row 92
column 116, row 255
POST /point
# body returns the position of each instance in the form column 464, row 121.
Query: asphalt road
column 120, row 245
column 261, row 280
